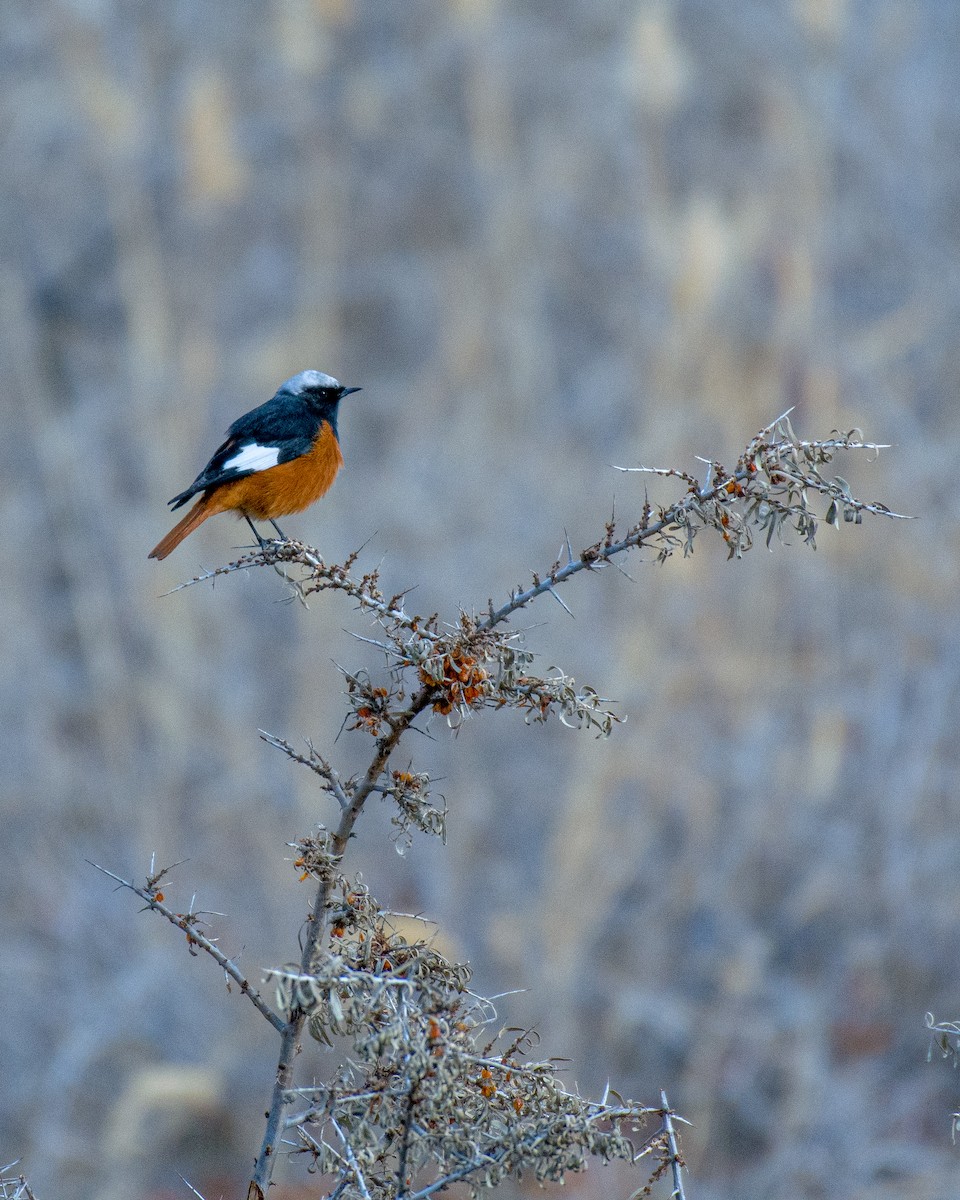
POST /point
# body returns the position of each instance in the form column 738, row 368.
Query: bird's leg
column 262, row 542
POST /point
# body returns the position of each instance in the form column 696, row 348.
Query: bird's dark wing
column 276, row 432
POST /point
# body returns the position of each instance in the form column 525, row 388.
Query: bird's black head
column 321, row 392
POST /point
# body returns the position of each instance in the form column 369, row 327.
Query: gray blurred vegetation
column 545, row 236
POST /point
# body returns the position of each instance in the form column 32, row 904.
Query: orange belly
column 287, row 488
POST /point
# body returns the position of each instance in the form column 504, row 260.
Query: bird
column 279, row 458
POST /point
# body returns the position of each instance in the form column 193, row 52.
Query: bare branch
column 676, row 1161
column 315, row 761
column 315, row 931
column 14, row 1187
column 763, row 472
column 352, row 1160
column 188, row 923
column 321, row 577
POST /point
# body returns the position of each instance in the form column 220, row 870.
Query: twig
column 405, row 1143
column 674, row 516
column 196, row 938
column 23, row 1190
column 676, row 1161
column 316, row 762
column 323, row 576
column 315, row 930
column 485, row 1160
column 352, row 1160
column 191, row 1187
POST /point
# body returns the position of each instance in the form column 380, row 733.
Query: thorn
column 372, row 642
column 613, row 563
column 559, row 601
column 190, row 1186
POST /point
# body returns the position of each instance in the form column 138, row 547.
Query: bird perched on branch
column 277, row 459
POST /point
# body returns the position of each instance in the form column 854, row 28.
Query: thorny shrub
column 429, row 1091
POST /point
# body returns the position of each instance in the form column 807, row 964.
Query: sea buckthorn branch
column 316, row 929
column 316, row 763
column 676, row 1158
column 320, row 576
column 475, row 665
column 768, row 487
column 189, row 922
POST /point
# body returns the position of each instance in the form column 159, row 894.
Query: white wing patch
column 253, row 458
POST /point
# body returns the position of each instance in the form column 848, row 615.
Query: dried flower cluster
column 410, row 792
column 467, row 668
column 430, row 1092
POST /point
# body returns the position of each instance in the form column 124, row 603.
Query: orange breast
column 287, row 488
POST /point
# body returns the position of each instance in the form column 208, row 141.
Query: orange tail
column 196, row 516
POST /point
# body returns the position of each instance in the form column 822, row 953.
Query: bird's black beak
column 347, row 391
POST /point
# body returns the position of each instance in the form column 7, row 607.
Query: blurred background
column 546, row 237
